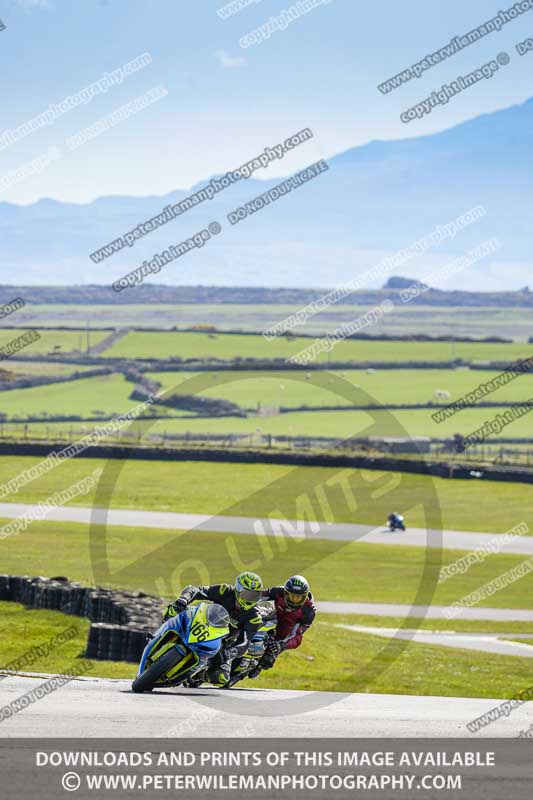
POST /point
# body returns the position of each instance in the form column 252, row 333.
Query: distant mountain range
column 219, row 295
column 373, row 201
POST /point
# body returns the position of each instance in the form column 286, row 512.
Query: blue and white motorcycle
column 183, row 646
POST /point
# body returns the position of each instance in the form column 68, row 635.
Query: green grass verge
column 165, row 561
column 21, row 628
column 330, row 659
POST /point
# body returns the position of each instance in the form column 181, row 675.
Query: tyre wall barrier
column 120, row 620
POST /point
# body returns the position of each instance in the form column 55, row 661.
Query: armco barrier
column 119, row 620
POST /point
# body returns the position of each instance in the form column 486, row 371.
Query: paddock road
column 96, row 707
column 414, row 537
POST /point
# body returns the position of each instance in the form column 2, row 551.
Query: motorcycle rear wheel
column 146, row 681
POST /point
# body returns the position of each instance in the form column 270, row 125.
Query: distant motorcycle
column 182, row 646
column 396, row 522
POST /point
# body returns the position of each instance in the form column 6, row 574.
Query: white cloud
column 227, row 61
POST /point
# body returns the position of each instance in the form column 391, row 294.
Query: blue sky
column 226, row 103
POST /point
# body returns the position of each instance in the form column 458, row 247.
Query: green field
column 160, row 345
column 512, row 323
column 50, row 341
column 290, row 389
column 109, row 394
column 87, row 397
column 270, row 489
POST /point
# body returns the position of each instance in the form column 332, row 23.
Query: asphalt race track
column 107, row 708
column 414, row 537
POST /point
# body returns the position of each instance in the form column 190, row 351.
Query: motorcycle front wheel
column 146, row 681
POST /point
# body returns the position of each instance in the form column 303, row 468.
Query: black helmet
column 296, row 591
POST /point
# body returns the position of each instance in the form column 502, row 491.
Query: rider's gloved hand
column 272, row 651
column 273, row 648
column 174, row 609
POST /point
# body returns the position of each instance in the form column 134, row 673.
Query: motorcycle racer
column 239, row 600
column 295, row 610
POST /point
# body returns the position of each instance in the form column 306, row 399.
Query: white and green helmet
column 248, row 588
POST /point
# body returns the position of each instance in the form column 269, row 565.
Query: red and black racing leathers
column 292, row 622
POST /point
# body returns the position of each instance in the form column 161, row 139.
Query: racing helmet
column 248, row 588
column 296, row 591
